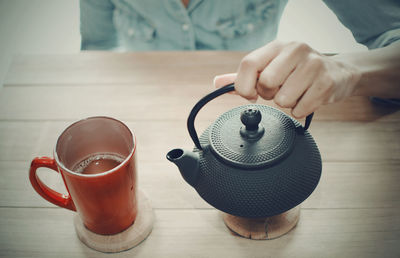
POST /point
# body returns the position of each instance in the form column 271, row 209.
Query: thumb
column 224, row 79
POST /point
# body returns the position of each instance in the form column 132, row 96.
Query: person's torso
column 204, row 24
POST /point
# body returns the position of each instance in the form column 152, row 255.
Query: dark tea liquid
column 98, row 163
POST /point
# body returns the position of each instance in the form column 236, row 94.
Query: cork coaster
column 263, row 228
column 125, row 240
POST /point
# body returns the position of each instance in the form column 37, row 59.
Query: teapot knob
column 251, row 119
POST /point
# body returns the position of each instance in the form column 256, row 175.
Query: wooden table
column 354, row 212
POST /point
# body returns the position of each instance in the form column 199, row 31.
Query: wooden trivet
column 263, row 228
column 125, row 240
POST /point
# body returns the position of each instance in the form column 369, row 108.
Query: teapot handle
column 208, row 98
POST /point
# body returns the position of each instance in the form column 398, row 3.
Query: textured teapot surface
column 252, row 170
column 253, row 161
column 240, row 140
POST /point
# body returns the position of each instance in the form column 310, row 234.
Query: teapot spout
column 187, row 162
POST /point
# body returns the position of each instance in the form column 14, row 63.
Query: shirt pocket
column 250, row 17
column 133, row 26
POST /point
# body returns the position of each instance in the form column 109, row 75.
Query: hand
column 294, row 75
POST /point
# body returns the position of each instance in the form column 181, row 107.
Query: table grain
column 354, row 211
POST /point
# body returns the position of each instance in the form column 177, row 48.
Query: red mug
column 95, row 157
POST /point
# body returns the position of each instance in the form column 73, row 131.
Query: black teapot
column 253, row 161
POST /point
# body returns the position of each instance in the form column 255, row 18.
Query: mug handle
column 208, row 98
column 43, row 190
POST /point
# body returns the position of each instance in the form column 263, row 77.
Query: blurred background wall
column 52, row 26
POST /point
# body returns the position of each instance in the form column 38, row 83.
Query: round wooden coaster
column 263, row 228
column 125, row 240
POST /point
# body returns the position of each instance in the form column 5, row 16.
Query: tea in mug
column 98, row 163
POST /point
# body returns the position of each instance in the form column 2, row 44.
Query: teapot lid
column 252, row 136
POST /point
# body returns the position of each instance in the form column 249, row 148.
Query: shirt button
column 185, row 27
column 131, row 32
column 250, row 26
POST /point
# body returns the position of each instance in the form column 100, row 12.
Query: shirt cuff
column 384, row 39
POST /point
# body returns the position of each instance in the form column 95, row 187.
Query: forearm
column 378, row 71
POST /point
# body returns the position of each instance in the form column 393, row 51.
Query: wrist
column 378, row 71
column 353, row 75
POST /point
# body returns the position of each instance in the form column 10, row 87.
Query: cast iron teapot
column 253, row 161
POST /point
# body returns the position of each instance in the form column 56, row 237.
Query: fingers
column 266, row 93
column 250, row 67
column 313, row 98
column 280, row 68
column 297, row 83
column 293, row 74
column 306, row 105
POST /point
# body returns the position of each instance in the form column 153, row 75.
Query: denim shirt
column 141, row 25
